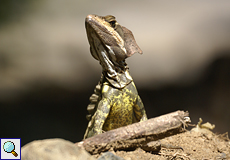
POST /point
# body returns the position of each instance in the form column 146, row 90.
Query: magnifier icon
column 9, row 147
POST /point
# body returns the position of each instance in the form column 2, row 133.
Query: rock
column 54, row 149
column 109, row 156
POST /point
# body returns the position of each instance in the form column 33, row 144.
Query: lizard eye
column 113, row 24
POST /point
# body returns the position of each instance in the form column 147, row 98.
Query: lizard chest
column 121, row 106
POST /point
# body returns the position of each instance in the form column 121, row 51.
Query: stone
column 54, row 149
column 109, row 156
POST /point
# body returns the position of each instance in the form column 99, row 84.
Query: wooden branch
column 137, row 134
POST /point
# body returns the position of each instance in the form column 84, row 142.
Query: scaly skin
column 117, row 108
column 116, row 102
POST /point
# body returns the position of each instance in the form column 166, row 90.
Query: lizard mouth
column 103, row 30
column 110, row 38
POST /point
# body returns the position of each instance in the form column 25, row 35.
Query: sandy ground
column 201, row 144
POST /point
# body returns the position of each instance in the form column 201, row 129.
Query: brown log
column 137, row 134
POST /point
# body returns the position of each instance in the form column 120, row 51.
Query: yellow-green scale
column 121, row 106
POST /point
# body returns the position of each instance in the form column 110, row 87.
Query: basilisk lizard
column 115, row 102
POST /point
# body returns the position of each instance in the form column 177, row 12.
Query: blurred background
column 47, row 73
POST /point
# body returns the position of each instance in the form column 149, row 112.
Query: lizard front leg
column 139, row 110
column 100, row 116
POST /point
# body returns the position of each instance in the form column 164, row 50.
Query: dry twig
column 137, row 134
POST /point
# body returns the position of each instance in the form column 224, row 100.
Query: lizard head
column 107, row 34
column 110, row 43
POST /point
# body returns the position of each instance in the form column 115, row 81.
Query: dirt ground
column 197, row 144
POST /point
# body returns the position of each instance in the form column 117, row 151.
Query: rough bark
column 137, row 134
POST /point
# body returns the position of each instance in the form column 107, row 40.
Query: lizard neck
column 121, row 79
